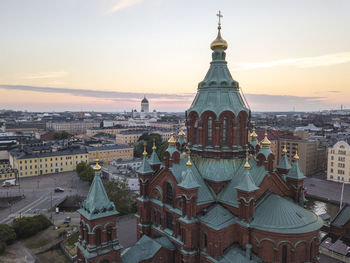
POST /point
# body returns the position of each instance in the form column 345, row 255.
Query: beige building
column 36, row 163
column 130, row 137
column 72, row 127
column 338, row 168
column 313, row 158
column 109, row 130
column 6, row 172
column 107, row 154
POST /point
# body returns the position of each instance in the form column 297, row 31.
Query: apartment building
column 6, row 172
column 109, row 153
column 313, row 157
column 338, row 164
column 33, row 163
column 72, row 127
column 108, row 130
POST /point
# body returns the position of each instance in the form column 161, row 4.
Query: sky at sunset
column 105, row 55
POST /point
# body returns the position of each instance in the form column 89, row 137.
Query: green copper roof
column 189, row 181
column 171, row 149
column 217, row 217
column 342, row 217
column 154, row 160
column 274, row 213
column 237, row 255
column 295, row 171
column 145, row 168
column 205, row 195
column 254, row 142
column 144, row 249
column 246, row 183
column 218, row 92
column 266, row 151
column 284, row 163
column 181, row 140
column 97, row 204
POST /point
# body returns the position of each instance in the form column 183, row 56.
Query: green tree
column 85, row 172
column 119, row 193
column 7, row 234
column 29, row 226
column 148, row 138
column 62, row 135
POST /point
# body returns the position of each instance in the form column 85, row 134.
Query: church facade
column 216, row 198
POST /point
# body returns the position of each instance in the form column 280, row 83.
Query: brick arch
column 290, row 250
column 267, row 245
column 242, row 128
column 165, row 191
column 301, row 251
column 157, row 193
column 205, row 119
column 192, row 133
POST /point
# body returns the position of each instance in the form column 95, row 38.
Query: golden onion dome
column 296, row 156
column 189, row 158
column 265, row 142
column 181, row 133
column 97, row 167
column 219, row 42
column 284, row 151
column 253, row 135
column 154, row 144
column 144, row 149
column 172, row 140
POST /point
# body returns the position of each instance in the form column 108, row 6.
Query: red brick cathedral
column 216, row 198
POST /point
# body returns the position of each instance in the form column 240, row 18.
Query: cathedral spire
column 219, row 42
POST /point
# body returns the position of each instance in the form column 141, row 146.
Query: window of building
column 225, row 131
column 210, row 131
column 332, row 157
column 331, row 163
column 169, row 194
column 98, row 236
column 169, row 221
column 341, row 172
column 331, row 170
column 109, row 233
column 205, row 242
column 284, row 254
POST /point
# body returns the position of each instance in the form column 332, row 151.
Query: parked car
column 67, row 220
column 59, row 190
column 10, row 182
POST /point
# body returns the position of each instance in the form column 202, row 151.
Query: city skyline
column 106, row 55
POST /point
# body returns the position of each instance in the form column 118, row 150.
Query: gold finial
column 246, row 165
column 219, row 42
column 144, row 149
column 265, row 142
column 253, row 135
column 172, row 140
column 189, row 158
column 284, row 148
column 182, row 133
column 154, row 144
column 296, row 156
column 97, row 167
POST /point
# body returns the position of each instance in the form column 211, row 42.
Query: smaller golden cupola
column 97, row 167
column 172, row 140
column 296, row 156
column 181, row 133
column 246, row 165
column 253, row 135
column 219, row 43
column 265, row 142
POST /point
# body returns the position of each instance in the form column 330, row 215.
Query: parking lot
column 39, row 194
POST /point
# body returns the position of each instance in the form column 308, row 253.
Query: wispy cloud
column 182, row 101
column 124, row 4
column 46, row 75
column 334, row 91
column 305, row 62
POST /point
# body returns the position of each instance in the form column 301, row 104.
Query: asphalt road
column 39, row 194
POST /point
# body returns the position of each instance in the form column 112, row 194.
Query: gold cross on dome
column 220, row 16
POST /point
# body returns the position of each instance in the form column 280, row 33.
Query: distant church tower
column 144, row 105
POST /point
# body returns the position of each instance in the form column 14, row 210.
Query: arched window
column 169, row 221
column 154, row 216
column 210, row 131
column 225, row 131
column 196, row 132
column 109, row 233
column 98, row 236
column 238, row 129
column 169, row 194
column 205, row 243
column 284, row 254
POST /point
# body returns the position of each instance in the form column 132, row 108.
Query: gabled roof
column 145, row 249
column 205, row 195
column 284, row 163
column 153, row 160
column 246, row 183
column 266, row 151
column 342, row 217
column 189, row 181
column 145, row 168
column 274, row 213
column 218, row 217
column 97, row 204
column 295, row 171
